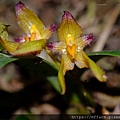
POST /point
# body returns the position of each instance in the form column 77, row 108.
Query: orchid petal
column 8, row 45
column 3, row 31
column 68, row 26
column 56, row 47
column 68, row 65
column 99, row 74
column 61, row 78
column 80, row 60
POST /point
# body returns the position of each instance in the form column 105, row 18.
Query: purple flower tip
column 88, row 37
column 50, row 46
column 53, row 27
column 19, row 6
column 67, row 15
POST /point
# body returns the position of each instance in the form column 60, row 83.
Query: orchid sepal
column 97, row 71
column 27, row 48
column 61, row 78
column 30, row 23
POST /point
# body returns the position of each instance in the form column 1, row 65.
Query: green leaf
column 5, row 59
column 1, row 47
column 28, row 116
column 54, row 82
column 107, row 52
column 22, row 117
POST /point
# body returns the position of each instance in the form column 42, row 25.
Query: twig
column 106, row 32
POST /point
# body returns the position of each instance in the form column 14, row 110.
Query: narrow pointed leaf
column 107, row 52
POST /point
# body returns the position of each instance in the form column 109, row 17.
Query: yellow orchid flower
column 36, row 33
column 70, row 45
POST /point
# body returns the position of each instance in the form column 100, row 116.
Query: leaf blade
column 106, row 52
column 5, row 59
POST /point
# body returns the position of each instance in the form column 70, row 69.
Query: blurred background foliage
column 29, row 85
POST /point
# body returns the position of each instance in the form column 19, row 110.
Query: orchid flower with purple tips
column 70, row 45
column 36, row 33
